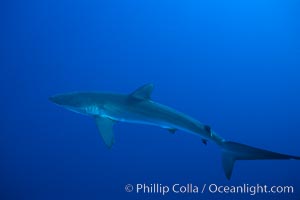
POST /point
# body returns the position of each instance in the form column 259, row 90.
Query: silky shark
column 137, row 107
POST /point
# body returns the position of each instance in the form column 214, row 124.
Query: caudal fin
column 232, row 151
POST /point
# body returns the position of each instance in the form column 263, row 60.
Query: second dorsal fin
column 144, row 92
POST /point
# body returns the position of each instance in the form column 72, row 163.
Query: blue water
column 231, row 64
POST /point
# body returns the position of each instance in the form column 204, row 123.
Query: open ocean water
column 231, row 64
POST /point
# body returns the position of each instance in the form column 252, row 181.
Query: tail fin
column 232, row 151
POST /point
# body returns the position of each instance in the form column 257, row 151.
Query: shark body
column 137, row 107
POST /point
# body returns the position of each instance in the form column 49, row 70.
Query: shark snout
column 69, row 100
column 57, row 99
column 54, row 99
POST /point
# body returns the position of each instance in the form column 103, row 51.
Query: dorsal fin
column 144, row 92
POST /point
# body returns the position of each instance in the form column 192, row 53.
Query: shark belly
column 151, row 113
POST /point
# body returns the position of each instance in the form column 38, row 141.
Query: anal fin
column 204, row 141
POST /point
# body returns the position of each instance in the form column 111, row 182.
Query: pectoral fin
column 105, row 127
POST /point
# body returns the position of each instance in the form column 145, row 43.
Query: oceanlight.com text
column 190, row 188
column 250, row 189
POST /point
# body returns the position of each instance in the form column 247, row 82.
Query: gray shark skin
column 137, row 107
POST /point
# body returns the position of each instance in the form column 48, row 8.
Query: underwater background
column 231, row 64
